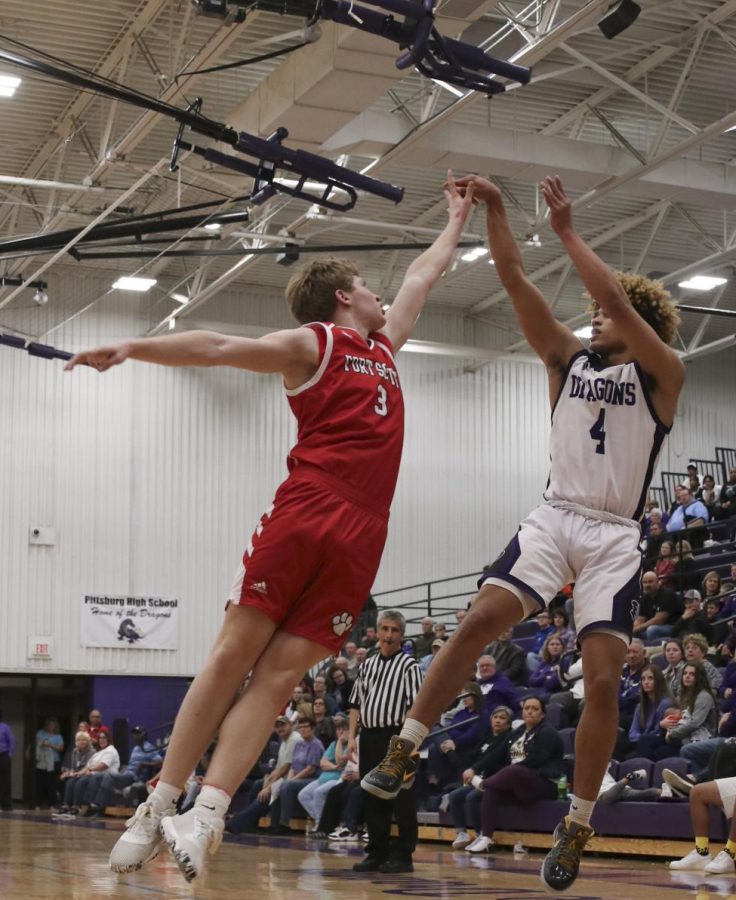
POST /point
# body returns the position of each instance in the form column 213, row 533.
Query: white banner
column 131, row 623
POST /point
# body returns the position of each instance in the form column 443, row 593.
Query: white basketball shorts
column 556, row 546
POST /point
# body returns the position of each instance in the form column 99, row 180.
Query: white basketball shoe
column 190, row 838
column 141, row 841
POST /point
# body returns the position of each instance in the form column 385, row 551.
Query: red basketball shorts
column 311, row 562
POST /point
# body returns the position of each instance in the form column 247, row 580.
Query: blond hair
column 652, row 301
column 310, row 293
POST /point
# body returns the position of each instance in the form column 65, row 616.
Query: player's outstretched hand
column 560, row 208
column 101, row 358
column 458, row 202
column 483, row 189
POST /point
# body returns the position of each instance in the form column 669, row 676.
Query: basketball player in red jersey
column 313, row 557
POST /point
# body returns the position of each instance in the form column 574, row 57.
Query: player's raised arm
column 283, row 351
column 658, row 360
column 552, row 341
column 426, row 270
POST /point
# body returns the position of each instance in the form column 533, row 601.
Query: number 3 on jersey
column 598, row 432
column 381, row 407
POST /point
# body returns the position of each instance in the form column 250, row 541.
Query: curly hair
column 652, row 301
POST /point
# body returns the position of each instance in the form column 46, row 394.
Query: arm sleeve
column 356, row 694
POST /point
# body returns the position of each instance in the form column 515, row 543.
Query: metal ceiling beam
column 624, row 85
column 561, row 261
column 59, row 129
column 705, row 321
column 659, row 56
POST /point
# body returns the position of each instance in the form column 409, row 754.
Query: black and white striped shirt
column 385, row 688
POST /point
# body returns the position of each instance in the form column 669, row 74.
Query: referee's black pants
column 373, row 747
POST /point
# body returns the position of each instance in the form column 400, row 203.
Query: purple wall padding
column 145, row 701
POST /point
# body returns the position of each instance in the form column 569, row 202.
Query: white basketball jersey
column 605, row 437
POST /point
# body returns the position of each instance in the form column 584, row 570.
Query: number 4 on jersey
column 598, row 432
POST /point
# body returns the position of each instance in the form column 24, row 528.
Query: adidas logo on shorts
column 259, row 586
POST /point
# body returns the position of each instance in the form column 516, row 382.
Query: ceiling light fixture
column 586, row 332
column 212, row 226
column 8, row 85
column 180, row 298
column 619, row 17
column 702, row 283
column 133, row 283
column 473, row 254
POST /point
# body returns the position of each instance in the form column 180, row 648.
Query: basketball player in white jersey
column 612, row 407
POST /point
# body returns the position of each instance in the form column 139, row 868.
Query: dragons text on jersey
column 605, row 438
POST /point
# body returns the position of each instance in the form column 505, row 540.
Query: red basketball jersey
column 351, row 416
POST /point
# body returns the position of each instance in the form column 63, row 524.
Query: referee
column 384, row 690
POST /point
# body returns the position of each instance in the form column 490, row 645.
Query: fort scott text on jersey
column 364, row 366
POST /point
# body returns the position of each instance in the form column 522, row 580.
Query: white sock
column 414, row 731
column 165, row 795
column 214, row 800
column 581, row 811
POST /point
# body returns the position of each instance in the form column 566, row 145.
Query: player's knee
column 601, row 689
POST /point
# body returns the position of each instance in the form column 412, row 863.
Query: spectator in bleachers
column 696, row 649
column 674, row 655
column 700, row 754
column 449, row 754
column 707, row 494
column 304, row 767
column 655, row 538
column 440, row 631
column 726, row 502
column 716, row 631
column 423, row 642
column 614, row 791
column 95, row 727
column 545, row 679
column 689, row 519
column 320, row 690
column 533, row 762
column 572, row 697
column 370, row 638
column 495, row 686
column 49, row 748
column 509, row 657
column 718, row 794
column 77, row 764
column 460, row 615
column 664, row 568
column 349, row 651
column 686, row 573
column 711, row 586
column 313, row 796
column 426, row 661
column 144, row 761
column 339, row 687
column 544, row 621
column 628, row 692
column 324, row 727
column 675, row 505
column 698, row 720
column 561, row 623
column 659, row 609
column 692, row 620
column 292, row 707
column 106, row 759
column 645, row 734
column 653, row 517
column 343, row 810
column 464, row 802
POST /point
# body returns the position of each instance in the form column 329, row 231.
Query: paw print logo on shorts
column 342, row 623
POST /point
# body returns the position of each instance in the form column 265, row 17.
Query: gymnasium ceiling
column 636, row 126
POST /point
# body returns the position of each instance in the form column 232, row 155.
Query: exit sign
column 40, row 647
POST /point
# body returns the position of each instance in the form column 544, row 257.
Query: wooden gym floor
column 68, row 861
